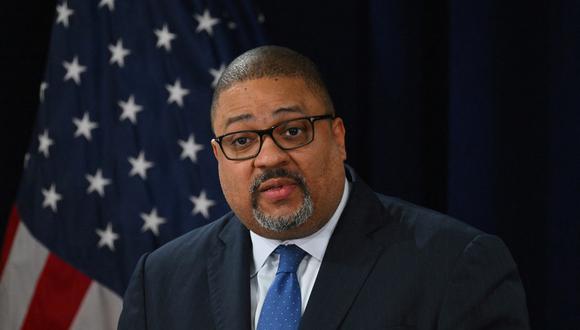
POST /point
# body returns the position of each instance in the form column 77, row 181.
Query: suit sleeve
column 484, row 290
column 134, row 314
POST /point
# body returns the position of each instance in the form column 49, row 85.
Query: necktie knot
column 290, row 258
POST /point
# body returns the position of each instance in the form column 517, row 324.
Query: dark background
column 468, row 107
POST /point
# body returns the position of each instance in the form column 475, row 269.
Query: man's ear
column 339, row 133
column 214, row 148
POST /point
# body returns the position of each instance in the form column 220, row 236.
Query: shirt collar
column 314, row 245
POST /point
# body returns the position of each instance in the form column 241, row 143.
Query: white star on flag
column 205, row 22
column 201, row 204
column 51, row 197
column 84, row 126
column 109, row 3
column 152, row 221
column 140, row 165
column 97, row 183
column 189, row 148
column 176, row 93
column 118, row 53
column 44, row 143
column 164, row 37
column 74, row 70
column 43, row 87
column 107, row 237
column 130, row 109
column 63, row 14
column 216, row 73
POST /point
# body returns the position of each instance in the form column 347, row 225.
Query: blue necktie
column 283, row 304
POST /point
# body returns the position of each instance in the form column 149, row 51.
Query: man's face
column 277, row 185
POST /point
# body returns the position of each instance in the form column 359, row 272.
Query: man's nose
column 270, row 155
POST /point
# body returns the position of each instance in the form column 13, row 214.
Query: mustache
column 277, row 173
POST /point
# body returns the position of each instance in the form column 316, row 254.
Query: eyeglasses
column 287, row 135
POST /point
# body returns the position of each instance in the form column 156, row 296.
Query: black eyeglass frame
column 270, row 131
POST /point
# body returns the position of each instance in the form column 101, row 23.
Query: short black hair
column 269, row 62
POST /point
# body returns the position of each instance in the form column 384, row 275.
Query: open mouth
column 274, row 184
column 277, row 189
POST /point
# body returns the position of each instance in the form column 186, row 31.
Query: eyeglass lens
column 288, row 135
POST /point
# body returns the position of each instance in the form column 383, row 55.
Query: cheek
column 315, row 171
column 235, row 184
column 325, row 169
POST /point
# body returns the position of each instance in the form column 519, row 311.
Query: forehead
column 261, row 102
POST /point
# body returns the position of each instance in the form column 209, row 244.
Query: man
column 308, row 244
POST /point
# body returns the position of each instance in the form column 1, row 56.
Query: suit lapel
column 348, row 260
column 229, row 277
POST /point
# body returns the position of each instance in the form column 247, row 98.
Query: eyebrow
column 276, row 113
column 236, row 119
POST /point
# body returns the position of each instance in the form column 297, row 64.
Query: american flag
column 120, row 160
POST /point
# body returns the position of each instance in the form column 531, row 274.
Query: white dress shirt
column 263, row 270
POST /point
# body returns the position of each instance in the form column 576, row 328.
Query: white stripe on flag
column 23, row 268
column 99, row 310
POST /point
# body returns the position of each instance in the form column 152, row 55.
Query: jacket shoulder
column 428, row 227
column 191, row 245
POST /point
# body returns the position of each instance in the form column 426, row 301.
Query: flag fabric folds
column 120, row 160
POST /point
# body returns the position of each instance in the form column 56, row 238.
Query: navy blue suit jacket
column 389, row 265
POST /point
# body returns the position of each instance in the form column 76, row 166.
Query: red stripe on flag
column 9, row 237
column 58, row 296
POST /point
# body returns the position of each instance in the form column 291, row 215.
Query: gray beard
column 287, row 222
